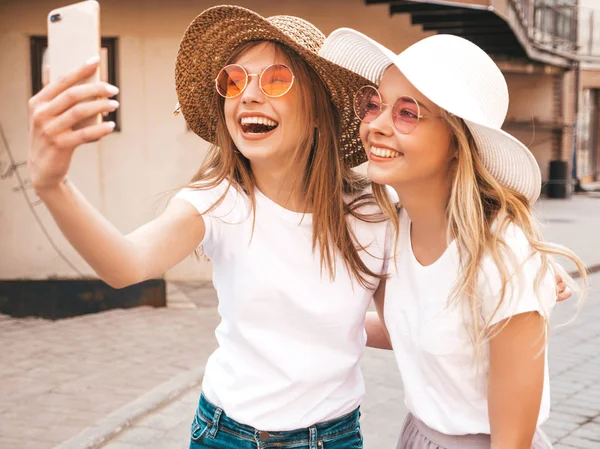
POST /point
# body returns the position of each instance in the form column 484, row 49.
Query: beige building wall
column 531, row 113
column 129, row 175
column 589, row 23
column 590, row 79
column 589, row 41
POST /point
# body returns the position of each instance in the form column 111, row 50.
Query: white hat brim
column 507, row 159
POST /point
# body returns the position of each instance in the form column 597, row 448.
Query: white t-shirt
column 290, row 339
column 443, row 387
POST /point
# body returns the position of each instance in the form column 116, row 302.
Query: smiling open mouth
column 385, row 152
column 257, row 125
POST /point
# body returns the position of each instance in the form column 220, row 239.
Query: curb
column 595, row 268
column 113, row 424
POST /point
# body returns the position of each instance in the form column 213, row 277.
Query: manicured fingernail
column 112, row 90
column 111, row 125
column 113, row 104
column 93, row 60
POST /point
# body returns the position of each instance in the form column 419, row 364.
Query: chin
column 263, row 153
column 381, row 175
column 252, row 152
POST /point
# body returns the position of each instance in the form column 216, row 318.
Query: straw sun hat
column 214, row 35
column 459, row 77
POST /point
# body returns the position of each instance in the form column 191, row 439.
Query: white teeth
column 384, row 152
column 257, row 120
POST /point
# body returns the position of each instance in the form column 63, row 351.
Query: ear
column 452, row 153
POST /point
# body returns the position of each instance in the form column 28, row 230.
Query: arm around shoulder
column 377, row 334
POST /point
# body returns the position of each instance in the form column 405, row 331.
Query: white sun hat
column 459, row 77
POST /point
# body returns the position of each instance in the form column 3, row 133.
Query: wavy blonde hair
column 479, row 210
column 319, row 173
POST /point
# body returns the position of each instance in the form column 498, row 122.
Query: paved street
column 574, row 223
column 128, row 379
column 58, row 378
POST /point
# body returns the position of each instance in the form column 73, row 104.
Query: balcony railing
column 555, row 32
column 561, row 25
column 589, row 31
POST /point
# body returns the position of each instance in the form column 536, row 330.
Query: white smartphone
column 74, row 38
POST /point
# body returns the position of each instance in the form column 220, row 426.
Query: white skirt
column 417, row 435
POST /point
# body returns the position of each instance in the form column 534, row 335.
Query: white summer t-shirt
column 443, row 387
column 290, row 339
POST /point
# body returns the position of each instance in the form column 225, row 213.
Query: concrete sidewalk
column 129, row 378
column 574, row 223
column 60, row 378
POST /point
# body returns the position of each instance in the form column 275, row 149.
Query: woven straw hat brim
column 507, row 159
column 214, row 35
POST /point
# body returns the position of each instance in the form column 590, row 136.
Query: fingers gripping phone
column 74, row 38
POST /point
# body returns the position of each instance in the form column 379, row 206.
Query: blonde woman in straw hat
column 295, row 239
column 470, row 287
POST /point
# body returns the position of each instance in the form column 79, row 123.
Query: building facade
column 130, row 175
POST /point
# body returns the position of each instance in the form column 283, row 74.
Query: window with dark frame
column 108, row 68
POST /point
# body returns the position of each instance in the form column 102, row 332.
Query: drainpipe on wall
column 574, row 177
column 577, row 68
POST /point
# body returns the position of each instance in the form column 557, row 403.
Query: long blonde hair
column 479, row 210
column 322, row 177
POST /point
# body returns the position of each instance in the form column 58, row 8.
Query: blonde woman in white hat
column 470, row 288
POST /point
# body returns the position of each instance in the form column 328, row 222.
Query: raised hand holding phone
column 67, row 111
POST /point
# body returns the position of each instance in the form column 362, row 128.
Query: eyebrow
column 418, row 102
column 259, row 71
column 422, row 105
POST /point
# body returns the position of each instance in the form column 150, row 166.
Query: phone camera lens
column 55, row 17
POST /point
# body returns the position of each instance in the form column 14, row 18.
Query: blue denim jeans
column 212, row 429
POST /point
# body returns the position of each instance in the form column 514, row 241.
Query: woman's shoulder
column 364, row 199
column 205, row 195
column 523, row 282
column 211, row 186
column 516, row 241
column 516, row 253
